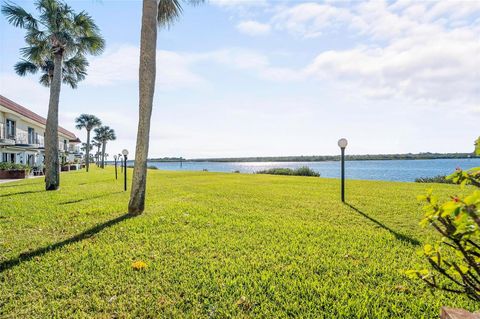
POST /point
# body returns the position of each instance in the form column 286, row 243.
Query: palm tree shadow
column 22, row 193
column 88, row 198
column 397, row 235
column 26, row 256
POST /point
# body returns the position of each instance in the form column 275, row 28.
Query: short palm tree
column 88, row 122
column 57, row 42
column 161, row 13
column 103, row 134
column 96, row 144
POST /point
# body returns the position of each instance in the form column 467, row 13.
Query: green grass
column 216, row 246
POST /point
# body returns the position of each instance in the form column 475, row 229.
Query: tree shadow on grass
column 26, row 256
column 88, row 198
column 22, row 193
column 397, row 235
column 17, row 185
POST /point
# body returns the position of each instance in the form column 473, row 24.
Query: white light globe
column 342, row 142
column 125, row 152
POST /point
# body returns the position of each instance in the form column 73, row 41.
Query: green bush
column 301, row 171
column 436, row 179
column 456, row 255
column 152, row 167
column 13, row 167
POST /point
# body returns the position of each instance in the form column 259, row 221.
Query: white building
column 22, row 135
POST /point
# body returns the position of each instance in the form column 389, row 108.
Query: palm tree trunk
column 104, row 145
column 87, row 160
column 98, row 156
column 52, row 168
column 148, row 46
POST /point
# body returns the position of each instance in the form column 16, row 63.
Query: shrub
column 301, row 171
column 456, row 256
column 436, row 179
column 12, row 167
column 152, row 167
column 237, row 171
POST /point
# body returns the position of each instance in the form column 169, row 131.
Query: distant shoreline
column 322, row 158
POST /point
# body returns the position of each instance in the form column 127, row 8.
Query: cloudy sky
column 261, row 78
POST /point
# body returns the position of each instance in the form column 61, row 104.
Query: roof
column 9, row 104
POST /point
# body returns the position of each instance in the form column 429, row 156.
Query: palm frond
column 104, row 134
column 18, row 17
column 70, row 80
column 170, row 10
column 87, row 121
column 45, row 80
column 23, row 67
column 36, row 53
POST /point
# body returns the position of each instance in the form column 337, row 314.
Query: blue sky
column 268, row 78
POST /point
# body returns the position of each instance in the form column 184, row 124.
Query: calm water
column 393, row 170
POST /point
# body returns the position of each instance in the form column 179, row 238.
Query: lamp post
column 342, row 143
column 125, row 153
column 121, row 165
column 115, row 159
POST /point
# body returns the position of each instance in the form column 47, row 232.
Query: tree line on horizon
column 322, row 158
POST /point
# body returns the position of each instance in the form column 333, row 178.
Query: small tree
column 103, row 134
column 456, row 256
column 88, row 122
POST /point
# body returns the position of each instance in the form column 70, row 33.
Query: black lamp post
column 342, row 143
column 121, row 164
column 115, row 158
column 125, row 153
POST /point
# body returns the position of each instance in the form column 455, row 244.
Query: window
column 10, row 129
column 31, row 136
column 9, row 157
column 65, row 145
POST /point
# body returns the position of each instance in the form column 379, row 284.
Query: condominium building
column 22, row 136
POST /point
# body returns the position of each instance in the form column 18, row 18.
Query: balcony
column 22, row 139
column 4, row 139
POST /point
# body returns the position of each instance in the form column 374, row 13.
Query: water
column 391, row 170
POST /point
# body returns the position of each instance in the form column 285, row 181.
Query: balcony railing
column 24, row 139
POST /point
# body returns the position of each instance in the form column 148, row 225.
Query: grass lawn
column 216, row 246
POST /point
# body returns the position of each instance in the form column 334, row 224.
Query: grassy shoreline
column 216, row 245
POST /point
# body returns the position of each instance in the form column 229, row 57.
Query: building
column 22, row 135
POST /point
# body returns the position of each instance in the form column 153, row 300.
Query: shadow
column 397, row 235
column 88, row 198
column 43, row 250
column 15, row 185
column 22, row 193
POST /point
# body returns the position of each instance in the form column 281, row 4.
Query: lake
column 387, row 170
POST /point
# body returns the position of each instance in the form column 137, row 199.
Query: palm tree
column 103, row 134
column 96, row 144
column 57, row 42
column 163, row 13
column 88, row 122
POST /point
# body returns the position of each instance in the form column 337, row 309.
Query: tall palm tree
column 57, row 42
column 162, row 13
column 103, row 134
column 88, row 122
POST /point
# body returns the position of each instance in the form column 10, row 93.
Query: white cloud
column 310, row 19
column 422, row 51
column 238, row 3
column 25, row 91
column 251, row 61
column 121, row 65
column 253, row 28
